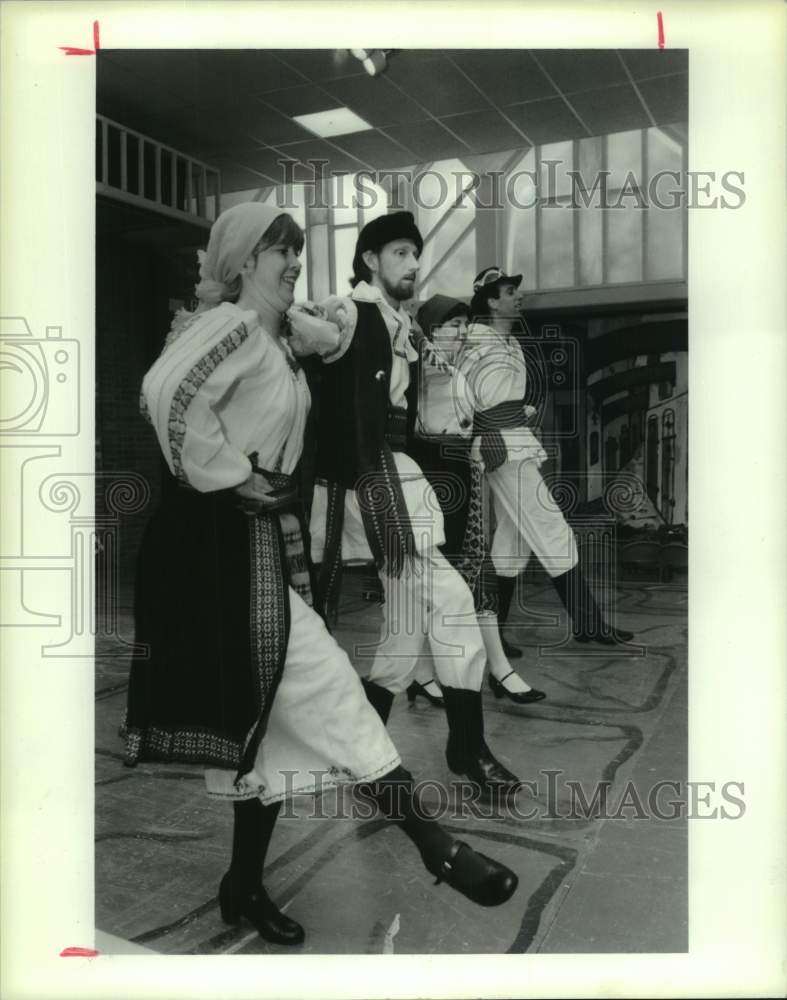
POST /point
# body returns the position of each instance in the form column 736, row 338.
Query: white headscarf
column 233, row 236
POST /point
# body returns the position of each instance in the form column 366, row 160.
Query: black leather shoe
column 476, row 876
column 485, row 770
column 260, row 910
column 512, row 652
column 519, row 697
column 417, row 689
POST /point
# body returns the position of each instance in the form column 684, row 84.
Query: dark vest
column 354, row 402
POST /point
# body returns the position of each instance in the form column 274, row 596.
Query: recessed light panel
column 337, row 121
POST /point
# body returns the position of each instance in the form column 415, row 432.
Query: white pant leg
column 320, row 721
column 403, row 628
column 430, row 600
column 455, row 640
column 509, row 551
column 520, row 490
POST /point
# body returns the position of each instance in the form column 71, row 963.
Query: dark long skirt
column 210, row 605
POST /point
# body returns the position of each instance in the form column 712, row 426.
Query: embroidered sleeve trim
column 190, row 386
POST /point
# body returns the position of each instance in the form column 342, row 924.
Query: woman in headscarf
column 241, row 675
column 443, row 447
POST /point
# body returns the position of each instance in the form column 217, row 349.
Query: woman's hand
column 255, row 493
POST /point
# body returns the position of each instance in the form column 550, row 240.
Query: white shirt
column 422, row 504
column 221, row 389
column 495, row 372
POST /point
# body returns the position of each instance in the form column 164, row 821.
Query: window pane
column 624, row 243
column 665, row 243
column 317, row 246
column 452, row 277
column 520, row 200
column 342, row 194
column 590, row 245
column 344, row 241
column 554, row 178
column 445, row 237
column 624, row 155
column 590, row 183
column 556, row 248
column 664, row 152
column 436, row 189
column 374, row 196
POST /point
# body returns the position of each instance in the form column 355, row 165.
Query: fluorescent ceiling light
column 337, row 121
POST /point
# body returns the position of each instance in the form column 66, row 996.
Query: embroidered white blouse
column 223, row 388
column 423, row 506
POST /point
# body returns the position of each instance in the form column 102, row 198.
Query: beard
column 401, row 291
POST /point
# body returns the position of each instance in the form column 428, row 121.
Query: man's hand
column 475, row 452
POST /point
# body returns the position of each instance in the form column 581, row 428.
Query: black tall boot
column 505, row 592
column 475, row 875
column 587, row 620
column 467, row 752
column 380, row 698
column 241, row 893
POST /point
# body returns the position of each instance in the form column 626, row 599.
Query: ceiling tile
column 484, row 131
column 644, row 63
column 428, row 140
column 321, row 64
column 173, row 70
column 235, row 177
column 506, row 76
column 305, row 100
column 667, row 97
column 265, row 161
column 316, row 149
column 613, row 109
column 375, row 149
column 377, row 101
column 581, row 69
column 122, row 93
column 248, row 71
column 439, row 86
column 546, row 121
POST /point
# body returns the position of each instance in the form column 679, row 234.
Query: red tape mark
column 78, row 953
column 70, row 50
column 660, row 21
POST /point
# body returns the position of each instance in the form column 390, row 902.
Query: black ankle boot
column 505, row 593
column 380, row 698
column 476, row 876
column 241, row 893
column 587, row 621
column 467, row 752
column 261, row 912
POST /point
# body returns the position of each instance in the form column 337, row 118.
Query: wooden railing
column 138, row 170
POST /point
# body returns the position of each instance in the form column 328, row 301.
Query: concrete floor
column 587, row 884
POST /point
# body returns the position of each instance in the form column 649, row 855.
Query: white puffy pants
column 528, row 520
column 430, row 600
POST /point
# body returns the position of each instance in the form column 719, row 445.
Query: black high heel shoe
column 519, row 697
column 476, row 876
column 260, row 910
column 416, row 689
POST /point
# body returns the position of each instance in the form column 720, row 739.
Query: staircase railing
column 138, row 170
